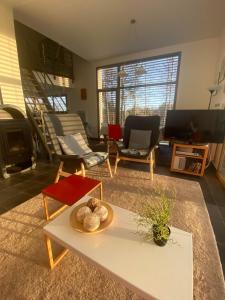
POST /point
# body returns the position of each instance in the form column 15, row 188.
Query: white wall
column 10, row 80
column 218, row 102
column 84, row 75
column 197, row 73
column 82, row 78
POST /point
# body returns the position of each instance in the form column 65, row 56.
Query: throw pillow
column 139, row 139
column 74, row 144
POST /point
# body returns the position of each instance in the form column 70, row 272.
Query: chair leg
column 116, row 163
column 153, row 157
column 151, row 165
column 45, row 205
column 82, row 169
column 109, row 167
column 59, row 171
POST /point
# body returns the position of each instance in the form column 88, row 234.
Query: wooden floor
column 21, row 187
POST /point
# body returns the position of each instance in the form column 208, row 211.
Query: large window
column 151, row 92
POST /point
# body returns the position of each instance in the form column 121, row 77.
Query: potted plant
column 155, row 216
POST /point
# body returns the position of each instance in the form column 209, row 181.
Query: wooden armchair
column 146, row 155
column 69, row 124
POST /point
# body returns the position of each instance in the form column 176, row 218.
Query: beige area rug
column 24, row 272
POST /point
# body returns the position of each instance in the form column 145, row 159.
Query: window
column 151, row 93
column 58, row 103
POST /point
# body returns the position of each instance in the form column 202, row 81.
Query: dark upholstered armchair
column 65, row 125
column 148, row 129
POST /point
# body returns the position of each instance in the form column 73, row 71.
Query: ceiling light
column 140, row 70
column 122, row 73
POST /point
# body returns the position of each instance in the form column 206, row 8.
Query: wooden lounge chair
column 146, row 155
column 69, row 124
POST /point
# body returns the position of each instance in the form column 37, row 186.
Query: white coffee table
column 149, row 270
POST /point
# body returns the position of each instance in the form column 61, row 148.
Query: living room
column 96, row 156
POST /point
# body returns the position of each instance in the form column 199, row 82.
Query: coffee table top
column 71, row 189
column 151, row 271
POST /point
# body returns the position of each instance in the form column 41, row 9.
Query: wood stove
column 16, row 147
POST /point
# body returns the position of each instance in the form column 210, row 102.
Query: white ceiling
column 96, row 29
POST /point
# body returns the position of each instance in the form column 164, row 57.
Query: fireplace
column 16, row 150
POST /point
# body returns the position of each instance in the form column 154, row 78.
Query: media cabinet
column 189, row 159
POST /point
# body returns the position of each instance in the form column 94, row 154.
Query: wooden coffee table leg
column 53, row 262
column 51, row 216
column 45, row 204
column 101, row 192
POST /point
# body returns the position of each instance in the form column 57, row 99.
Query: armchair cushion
column 74, row 144
column 139, row 139
column 94, row 158
column 134, row 153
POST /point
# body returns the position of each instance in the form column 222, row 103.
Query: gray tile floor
column 21, row 187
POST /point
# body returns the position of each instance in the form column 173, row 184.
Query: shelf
column 191, row 160
column 185, row 172
column 193, row 146
column 191, row 156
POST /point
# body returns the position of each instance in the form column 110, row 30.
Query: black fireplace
column 16, row 150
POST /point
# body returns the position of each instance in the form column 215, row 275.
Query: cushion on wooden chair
column 139, row 139
column 94, row 158
column 134, row 152
column 74, row 144
column 114, row 132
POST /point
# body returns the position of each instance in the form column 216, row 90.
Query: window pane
column 107, row 108
column 157, row 71
column 107, row 78
column 147, row 101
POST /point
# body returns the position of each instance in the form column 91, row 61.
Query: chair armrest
column 98, row 146
column 152, row 149
column 119, row 145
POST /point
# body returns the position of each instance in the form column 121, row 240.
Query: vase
column 160, row 242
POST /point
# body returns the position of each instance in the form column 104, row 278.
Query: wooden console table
column 189, row 159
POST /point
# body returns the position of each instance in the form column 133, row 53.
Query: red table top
column 70, row 189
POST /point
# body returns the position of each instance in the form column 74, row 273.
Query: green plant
column 154, row 217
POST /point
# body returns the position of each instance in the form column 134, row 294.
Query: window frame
column 117, row 89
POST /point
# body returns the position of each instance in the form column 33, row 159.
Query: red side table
column 68, row 191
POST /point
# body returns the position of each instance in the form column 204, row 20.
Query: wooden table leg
column 101, row 192
column 51, row 216
column 53, row 262
column 45, row 204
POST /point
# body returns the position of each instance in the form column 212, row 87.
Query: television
column 195, row 126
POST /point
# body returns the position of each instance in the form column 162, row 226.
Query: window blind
column 151, row 93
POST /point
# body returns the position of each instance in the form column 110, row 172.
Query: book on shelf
column 185, row 149
column 179, row 163
column 195, row 167
column 188, row 153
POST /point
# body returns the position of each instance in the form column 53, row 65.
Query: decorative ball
column 91, row 222
column 82, row 213
column 93, row 203
column 102, row 212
